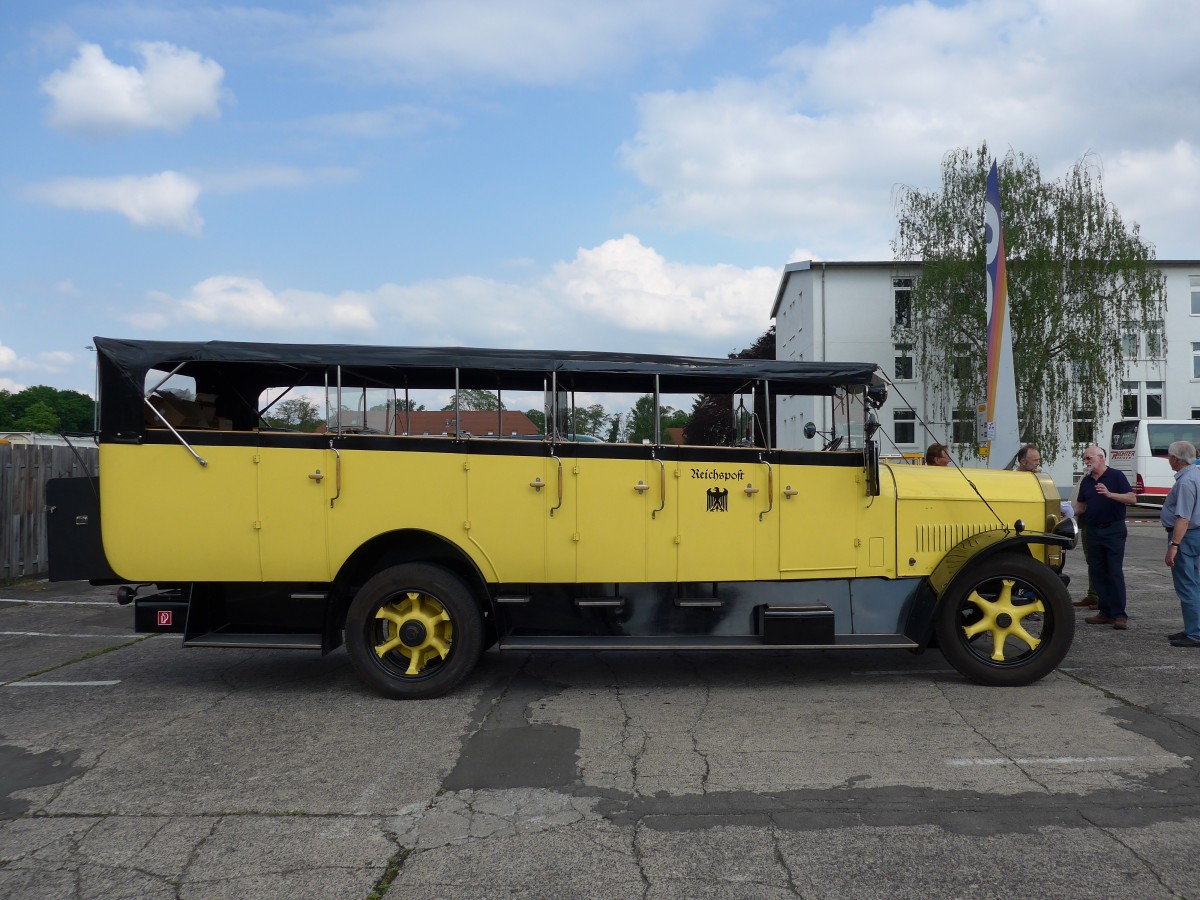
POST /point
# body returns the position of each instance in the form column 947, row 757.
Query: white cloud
column 173, row 87
column 48, row 361
column 813, row 151
column 626, row 284
column 13, row 387
column 520, row 41
column 619, row 295
column 238, row 303
column 163, row 201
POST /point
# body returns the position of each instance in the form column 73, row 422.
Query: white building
column 846, row 310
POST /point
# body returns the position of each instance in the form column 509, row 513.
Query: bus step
column 600, row 602
column 675, row 642
column 261, row 641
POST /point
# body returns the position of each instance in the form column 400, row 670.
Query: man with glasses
column 1103, row 495
column 1181, row 518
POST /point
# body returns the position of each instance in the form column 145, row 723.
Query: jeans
column 1106, row 566
column 1186, row 575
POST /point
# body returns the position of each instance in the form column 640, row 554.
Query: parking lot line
column 58, row 602
column 1045, row 761
column 54, row 634
column 62, row 683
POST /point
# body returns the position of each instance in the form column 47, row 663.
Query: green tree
column 591, row 420
column 473, row 398
column 538, row 418
column 639, row 421
column 39, row 418
column 1078, row 279
column 711, row 421
column 614, row 429
column 72, row 410
column 298, row 413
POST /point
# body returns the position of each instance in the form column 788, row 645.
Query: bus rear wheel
column 413, row 631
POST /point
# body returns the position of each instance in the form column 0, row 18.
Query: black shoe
column 1178, row 634
column 1184, row 641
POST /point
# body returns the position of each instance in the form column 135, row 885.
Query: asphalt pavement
column 131, row 767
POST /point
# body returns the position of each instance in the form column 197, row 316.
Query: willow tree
column 1079, row 279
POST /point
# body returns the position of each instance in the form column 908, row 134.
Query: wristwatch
column 1173, row 543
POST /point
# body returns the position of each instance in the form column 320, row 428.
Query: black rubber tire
column 388, row 674
column 1022, row 663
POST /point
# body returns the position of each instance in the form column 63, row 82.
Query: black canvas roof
column 416, row 367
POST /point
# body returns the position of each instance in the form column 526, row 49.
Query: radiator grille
column 940, row 538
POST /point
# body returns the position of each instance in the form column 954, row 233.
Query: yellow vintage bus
column 420, row 551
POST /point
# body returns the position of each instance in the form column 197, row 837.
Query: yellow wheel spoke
column 391, row 614
column 416, row 663
column 990, row 612
column 416, row 607
column 382, row 650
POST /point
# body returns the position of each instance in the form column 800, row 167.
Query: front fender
column 981, row 546
column 978, row 547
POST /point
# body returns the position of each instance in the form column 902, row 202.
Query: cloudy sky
column 596, row 174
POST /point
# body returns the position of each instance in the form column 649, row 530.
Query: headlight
column 1068, row 528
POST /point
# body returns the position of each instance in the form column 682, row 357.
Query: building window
column 1129, row 342
column 904, row 426
column 962, row 426
column 1154, row 399
column 1130, row 395
column 1084, row 431
column 902, row 289
column 962, row 362
column 1156, row 340
column 904, row 362
column 1196, row 412
column 1194, row 281
column 1195, row 360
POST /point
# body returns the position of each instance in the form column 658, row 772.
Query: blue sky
column 595, row 175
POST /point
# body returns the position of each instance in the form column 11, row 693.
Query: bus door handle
column 770, row 490
column 662, row 488
column 316, row 476
column 789, row 492
column 560, row 487
column 337, row 474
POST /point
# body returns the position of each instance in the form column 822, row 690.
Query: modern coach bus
column 419, row 552
column 1139, row 449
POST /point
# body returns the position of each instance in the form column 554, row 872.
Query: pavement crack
column 395, row 865
column 1015, row 762
column 1116, row 838
column 694, row 731
column 193, row 856
column 777, row 851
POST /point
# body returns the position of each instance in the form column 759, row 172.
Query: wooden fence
column 24, row 471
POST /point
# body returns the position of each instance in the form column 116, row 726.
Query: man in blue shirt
column 1181, row 517
column 1103, row 495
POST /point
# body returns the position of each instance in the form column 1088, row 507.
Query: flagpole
column 1003, row 436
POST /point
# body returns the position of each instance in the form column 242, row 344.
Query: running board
column 261, row 641
column 690, row 642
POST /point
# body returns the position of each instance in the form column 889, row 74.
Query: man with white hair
column 1181, row 518
column 1104, row 492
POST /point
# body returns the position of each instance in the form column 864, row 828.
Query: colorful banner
column 1003, row 432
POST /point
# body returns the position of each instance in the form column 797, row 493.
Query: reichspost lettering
column 717, row 475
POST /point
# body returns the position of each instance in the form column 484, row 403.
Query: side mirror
column 810, row 430
column 876, row 395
